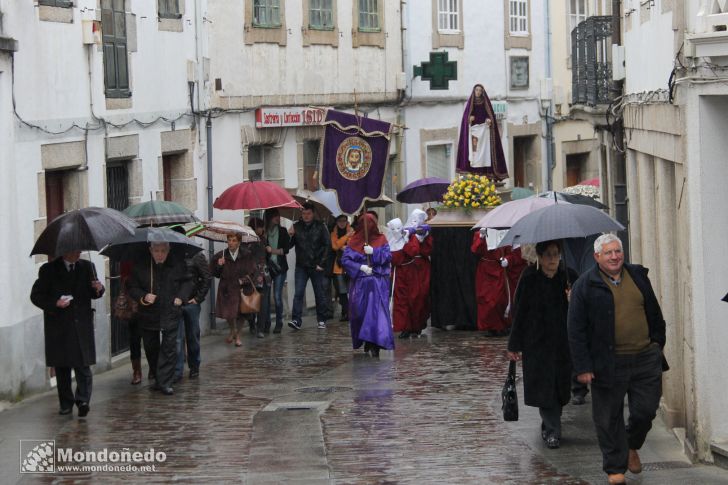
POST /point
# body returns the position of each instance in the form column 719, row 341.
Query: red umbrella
column 255, row 195
column 595, row 182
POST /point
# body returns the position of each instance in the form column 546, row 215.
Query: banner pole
column 366, row 231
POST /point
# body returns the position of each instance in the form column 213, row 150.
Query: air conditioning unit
column 91, row 32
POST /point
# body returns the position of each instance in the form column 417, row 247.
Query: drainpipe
column 619, row 188
column 210, row 244
column 550, row 155
column 403, row 98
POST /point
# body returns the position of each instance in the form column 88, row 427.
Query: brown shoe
column 616, row 478
column 136, row 365
column 633, row 462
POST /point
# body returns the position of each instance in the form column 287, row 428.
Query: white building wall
column 707, row 174
column 295, row 74
column 59, row 82
column 482, row 60
column 649, row 58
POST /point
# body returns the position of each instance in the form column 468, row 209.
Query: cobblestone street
column 304, row 408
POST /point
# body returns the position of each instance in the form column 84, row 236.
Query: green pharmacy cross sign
column 439, row 71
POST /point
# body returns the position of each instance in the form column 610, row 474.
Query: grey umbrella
column 559, row 221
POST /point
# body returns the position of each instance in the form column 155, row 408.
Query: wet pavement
column 302, row 407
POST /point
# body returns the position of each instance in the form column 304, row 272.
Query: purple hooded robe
column 498, row 169
column 369, row 298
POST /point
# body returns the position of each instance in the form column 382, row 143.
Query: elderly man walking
column 64, row 290
column 161, row 285
column 616, row 336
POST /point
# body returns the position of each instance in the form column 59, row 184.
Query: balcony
column 591, row 63
column 710, row 38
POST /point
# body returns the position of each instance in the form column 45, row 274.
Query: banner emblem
column 354, row 158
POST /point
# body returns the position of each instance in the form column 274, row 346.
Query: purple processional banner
column 355, row 155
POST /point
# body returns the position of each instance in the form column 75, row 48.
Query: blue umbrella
column 430, row 189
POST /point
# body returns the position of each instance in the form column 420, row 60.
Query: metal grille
column 117, row 187
column 591, row 63
column 117, row 197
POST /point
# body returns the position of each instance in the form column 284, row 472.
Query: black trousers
column 551, row 420
column 639, row 377
column 162, row 356
column 84, row 383
column 135, row 339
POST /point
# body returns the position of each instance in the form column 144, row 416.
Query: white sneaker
column 322, row 325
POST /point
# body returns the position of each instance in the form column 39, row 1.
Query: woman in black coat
column 278, row 244
column 539, row 337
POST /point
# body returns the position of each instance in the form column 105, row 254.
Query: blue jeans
column 278, row 283
column 188, row 330
column 317, row 281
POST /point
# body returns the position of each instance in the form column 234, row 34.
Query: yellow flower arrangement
column 471, row 191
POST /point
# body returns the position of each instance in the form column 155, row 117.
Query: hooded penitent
column 395, row 235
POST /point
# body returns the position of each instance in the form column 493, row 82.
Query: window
column 577, row 14
column 321, row 14
column 116, row 69
column 169, row 9
column 310, row 165
column 518, row 17
column 448, row 16
column 369, row 15
column 439, row 160
column 54, row 194
column 267, row 13
column 256, row 161
column 56, row 3
column 117, row 186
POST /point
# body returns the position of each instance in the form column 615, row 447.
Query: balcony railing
column 591, row 61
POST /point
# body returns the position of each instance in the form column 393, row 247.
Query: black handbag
column 510, row 398
column 274, row 269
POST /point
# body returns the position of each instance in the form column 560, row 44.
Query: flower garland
column 471, row 192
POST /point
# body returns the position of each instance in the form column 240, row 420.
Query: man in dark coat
column 160, row 284
column 64, row 290
column 616, row 336
column 311, row 240
column 188, row 332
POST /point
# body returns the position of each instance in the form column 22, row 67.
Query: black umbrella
column 88, row 229
column 137, row 245
column 559, row 221
column 574, row 199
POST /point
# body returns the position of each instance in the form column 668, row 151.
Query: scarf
column 273, row 234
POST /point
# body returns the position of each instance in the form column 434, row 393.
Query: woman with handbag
column 233, row 266
column 340, row 235
column 279, row 242
column 260, row 321
column 539, row 337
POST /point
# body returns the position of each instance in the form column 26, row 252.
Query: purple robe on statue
column 483, row 110
column 369, row 298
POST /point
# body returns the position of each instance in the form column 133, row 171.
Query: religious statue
column 480, row 150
